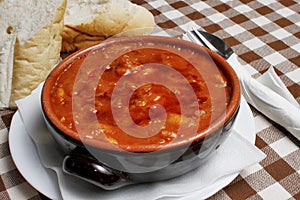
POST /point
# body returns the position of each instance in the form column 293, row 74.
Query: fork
column 266, row 100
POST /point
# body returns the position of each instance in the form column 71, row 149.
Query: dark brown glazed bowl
column 111, row 168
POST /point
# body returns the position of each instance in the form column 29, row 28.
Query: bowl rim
column 231, row 108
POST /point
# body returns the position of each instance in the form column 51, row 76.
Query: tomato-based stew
column 146, row 86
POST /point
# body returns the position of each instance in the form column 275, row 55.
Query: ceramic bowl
column 114, row 159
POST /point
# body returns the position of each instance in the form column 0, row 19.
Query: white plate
column 27, row 161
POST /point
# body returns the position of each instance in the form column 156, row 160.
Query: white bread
column 90, row 21
column 37, row 26
column 6, row 68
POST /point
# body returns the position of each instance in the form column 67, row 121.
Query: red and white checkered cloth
column 263, row 33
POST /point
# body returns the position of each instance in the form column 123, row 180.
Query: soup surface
column 92, row 102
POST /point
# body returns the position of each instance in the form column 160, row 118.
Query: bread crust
column 74, row 39
column 112, row 17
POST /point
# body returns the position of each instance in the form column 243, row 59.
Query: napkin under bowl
column 234, row 155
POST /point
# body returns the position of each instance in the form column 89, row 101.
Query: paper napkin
column 269, row 95
column 234, row 155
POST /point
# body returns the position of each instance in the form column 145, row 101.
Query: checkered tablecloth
column 263, row 33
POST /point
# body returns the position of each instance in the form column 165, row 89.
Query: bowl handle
column 81, row 164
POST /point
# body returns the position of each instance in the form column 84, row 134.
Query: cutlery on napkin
column 267, row 94
column 233, row 156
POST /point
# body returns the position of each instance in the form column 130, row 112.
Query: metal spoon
column 210, row 41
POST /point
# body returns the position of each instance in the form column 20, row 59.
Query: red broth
column 211, row 89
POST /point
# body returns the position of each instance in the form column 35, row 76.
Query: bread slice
column 6, row 67
column 90, row 21
column 37, row 26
